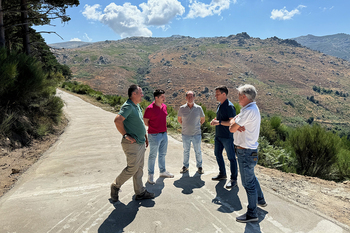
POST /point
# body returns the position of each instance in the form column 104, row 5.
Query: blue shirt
column 225, row 111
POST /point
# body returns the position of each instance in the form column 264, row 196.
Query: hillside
column 283, row 71
column 337, row 45
column 69, row 45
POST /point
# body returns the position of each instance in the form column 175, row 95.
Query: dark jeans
column 227, row 143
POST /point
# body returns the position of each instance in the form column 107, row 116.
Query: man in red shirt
column 155, row 119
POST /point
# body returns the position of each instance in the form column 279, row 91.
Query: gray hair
column 194, row 94
column 247, row 90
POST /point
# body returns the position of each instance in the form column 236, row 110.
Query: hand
column 241, row 129
column 214, row 122
column 147, row 142
column 131, row 139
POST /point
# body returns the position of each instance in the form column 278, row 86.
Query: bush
column 315, row 150
column 343, row 164
column 275, row 157
column 27, row 98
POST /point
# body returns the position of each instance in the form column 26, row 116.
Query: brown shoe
column 114, row 192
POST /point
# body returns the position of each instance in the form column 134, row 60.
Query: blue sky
column 94, row 21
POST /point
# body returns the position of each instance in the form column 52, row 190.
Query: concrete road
column 67, row 190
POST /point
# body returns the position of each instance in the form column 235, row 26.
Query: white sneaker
column 166, row 174
column 150, row 179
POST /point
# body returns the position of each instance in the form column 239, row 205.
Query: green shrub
column 343, row 164
column 27, row 97
column 315, row 150
column 275, row 157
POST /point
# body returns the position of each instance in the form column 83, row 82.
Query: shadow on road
column 227, row 198
column 123, row 215
column 188, row 183
column 252, row 227
column 157, row 187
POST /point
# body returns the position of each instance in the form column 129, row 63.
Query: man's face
column 242, row 99
column 219, row 96
column 161, row 98
column 138, row 95
column 190, row 97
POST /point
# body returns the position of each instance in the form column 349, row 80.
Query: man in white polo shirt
column 246, row 128
column 191, row 117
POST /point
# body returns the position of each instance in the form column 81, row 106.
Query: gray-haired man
column 246, row 128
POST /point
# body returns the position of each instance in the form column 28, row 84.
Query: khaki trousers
column 135, row 154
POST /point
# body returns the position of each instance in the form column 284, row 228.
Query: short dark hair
column 158, row 92
column 132, row 89
column 222, row 89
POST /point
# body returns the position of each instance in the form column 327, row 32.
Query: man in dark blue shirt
column 223, row 137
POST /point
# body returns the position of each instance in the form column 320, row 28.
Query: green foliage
column 273, row 131
column 343, row 164
column 315, row 150
column 275, row 157
column 237, row 107
column 27, row 98
column 83, row 89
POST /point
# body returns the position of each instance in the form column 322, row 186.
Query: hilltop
column 284, row 72
column 337, row 45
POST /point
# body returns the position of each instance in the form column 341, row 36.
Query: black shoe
column 114, row 192
column 145, row 195
column 184, row 169
column 200, row 170
column 262, row 204
column 219, row 177
column 246, row 218
column 231, row 184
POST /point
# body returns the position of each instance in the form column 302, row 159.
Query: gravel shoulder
column 327, row 198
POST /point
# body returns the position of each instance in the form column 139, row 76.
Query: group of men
column 237, row 134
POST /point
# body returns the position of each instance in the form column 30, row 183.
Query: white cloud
column 128, row 20
column 325, row 8
column 200, row 9
column 161, row 12
column 75, row 39
column 87, row 37
column 90, row 12
column 283, row 14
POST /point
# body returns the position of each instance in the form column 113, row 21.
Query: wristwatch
column 125, row 135
column 219, row 122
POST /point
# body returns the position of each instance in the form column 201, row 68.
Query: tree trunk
column 2, row 28
column 24, row 16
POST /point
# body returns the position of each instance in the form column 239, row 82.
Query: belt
column 241, row 148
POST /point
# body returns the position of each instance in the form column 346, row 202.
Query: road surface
column 68, row 189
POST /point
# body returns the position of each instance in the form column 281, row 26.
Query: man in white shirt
column 246, row 128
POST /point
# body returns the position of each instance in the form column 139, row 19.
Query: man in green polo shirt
column 129, row 122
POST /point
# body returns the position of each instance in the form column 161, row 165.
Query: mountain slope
column 283, row 71
column 337, row 45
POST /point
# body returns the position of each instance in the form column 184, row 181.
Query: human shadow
column 227, row 198
column 254, row 227
column 188, row 183
column 123, row 215
column 157, row 187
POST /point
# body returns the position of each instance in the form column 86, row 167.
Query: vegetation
column 17, row 17
column 28, row 105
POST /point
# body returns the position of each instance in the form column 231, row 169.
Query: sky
column 100, row 20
